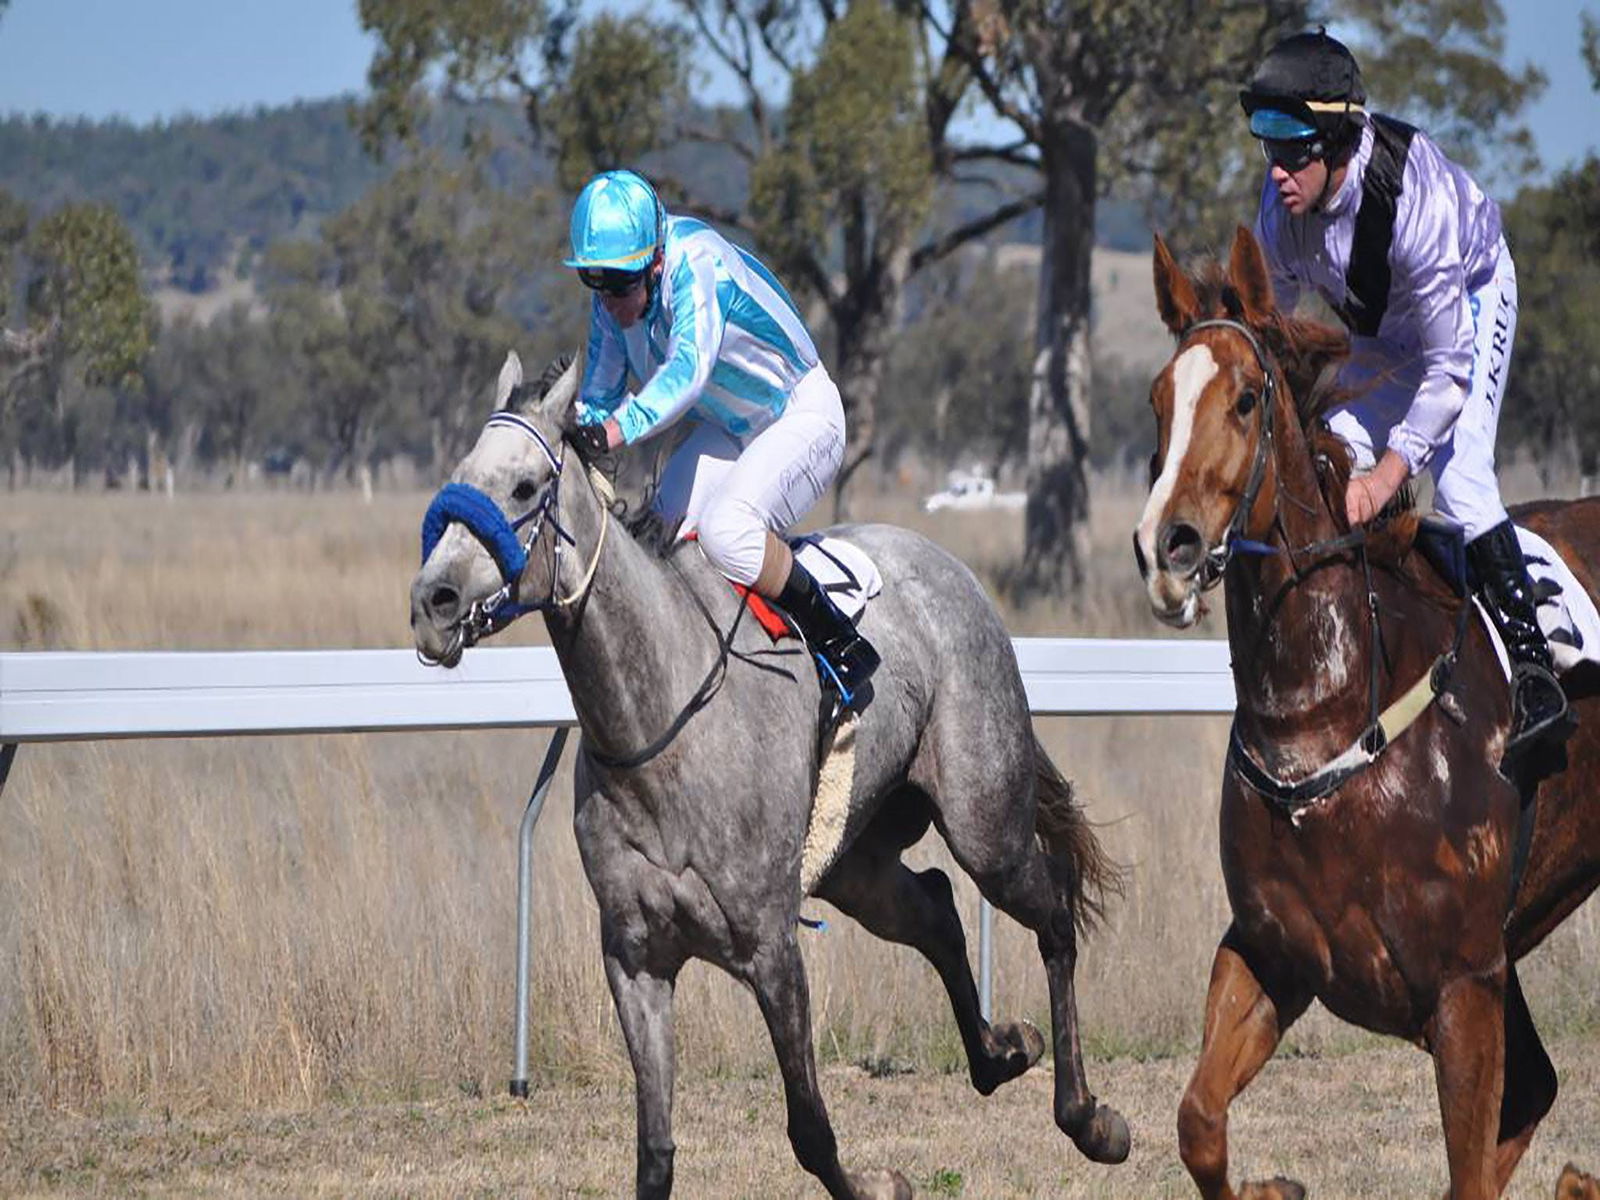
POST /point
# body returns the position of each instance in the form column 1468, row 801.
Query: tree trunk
column 1058, row 414
column 865, row 323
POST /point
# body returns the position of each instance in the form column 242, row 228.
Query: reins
column 1294, row 797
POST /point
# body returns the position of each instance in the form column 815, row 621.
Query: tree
column 956, row 386
column 850, row 181
column 398, row 311
column 89, row 326
column 1553, row 393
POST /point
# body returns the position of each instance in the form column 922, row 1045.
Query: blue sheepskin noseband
column 474, row 509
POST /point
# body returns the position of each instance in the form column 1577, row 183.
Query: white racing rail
column 68, row 697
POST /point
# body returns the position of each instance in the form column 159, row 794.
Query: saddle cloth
column 841, row 568
column 1565, row 609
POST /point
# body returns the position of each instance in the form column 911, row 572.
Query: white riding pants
column 733, row 494
column 1464, row 483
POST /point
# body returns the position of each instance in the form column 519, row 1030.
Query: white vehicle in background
column 972, row 490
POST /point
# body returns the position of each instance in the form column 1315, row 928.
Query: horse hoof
column 1577, row 1185
column 1105, row 1139
column 1276, row 1188
column 879, row 1185
column 1018, row 1045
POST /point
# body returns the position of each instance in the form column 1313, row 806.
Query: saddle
column 841, row 568
column 1565, row 610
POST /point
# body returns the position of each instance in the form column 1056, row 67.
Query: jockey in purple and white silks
column 712, row 337
column 1404, row 245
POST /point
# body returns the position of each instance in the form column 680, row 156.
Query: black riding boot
column 1539, row 711
column 830, row 634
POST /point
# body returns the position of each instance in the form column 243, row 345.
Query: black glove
column 591, row 441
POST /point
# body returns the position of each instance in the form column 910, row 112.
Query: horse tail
column 1064, row 831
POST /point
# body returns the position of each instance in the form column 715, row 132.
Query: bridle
column 499, row 535
column 1216, row 560
column 1215, row 563
column 1292, row 798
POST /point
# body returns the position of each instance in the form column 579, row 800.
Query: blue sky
column 150, row 59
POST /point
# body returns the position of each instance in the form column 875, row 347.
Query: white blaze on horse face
column 1192, row 373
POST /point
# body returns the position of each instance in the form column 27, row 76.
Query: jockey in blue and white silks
column 720, row 339
column 1405, row 246
column 712, row 337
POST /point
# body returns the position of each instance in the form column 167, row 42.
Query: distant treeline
column 440, row 258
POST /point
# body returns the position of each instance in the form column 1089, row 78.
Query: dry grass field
column 284, row 965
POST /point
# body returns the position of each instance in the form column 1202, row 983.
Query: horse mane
column 1309, row 353
column 552, row 372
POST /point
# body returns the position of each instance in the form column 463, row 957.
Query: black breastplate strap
column 1367, row 279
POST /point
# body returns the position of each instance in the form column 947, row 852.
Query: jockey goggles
column 1292, row 154
column 1288, row 140
column 609, row 280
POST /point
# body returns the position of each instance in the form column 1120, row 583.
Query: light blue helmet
column 617, row 223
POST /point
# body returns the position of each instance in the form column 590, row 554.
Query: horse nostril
column 1181, row 549
column 443, row 602
column 1138, row 557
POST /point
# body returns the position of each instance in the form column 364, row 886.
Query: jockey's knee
column 734, row 538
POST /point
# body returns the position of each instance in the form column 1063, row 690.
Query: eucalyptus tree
column 390, row 313
column 87, row 327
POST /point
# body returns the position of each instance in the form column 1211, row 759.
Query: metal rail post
column 530, row 817
column 8, row 752
column 985, row 960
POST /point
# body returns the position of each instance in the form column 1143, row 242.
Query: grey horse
column 698, row 761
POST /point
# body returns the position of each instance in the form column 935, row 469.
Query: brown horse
column 1370, row 864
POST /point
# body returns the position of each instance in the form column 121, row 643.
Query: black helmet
column 1307, row 87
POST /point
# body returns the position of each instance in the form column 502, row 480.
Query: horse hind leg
column 990, row 834
column 917, row 909
column 777, row 976
column 1244, row 1023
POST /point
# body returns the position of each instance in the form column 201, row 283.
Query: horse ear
column 510, row 380
column 558, row 398
column 1175, row 297
column 1247, row 271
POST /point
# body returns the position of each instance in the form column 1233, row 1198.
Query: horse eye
column 1247, row 401
column 524, row 491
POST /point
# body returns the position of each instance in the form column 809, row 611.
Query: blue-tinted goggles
column 610, row 280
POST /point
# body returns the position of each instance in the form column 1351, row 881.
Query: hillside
column 204, row 196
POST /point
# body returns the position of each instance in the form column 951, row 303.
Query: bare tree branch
column 742, row 65
column 709, row 137
column 20, row 348
column 1016, row 153
column 955, row 238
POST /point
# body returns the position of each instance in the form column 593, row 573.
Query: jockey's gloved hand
column 591, row 441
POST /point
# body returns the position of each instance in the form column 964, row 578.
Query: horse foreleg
column 917, row 909
column 778, row 977
column 1467, row 1037
column 1530, row 1083
column 644, row 1008
column 1244, row 1024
